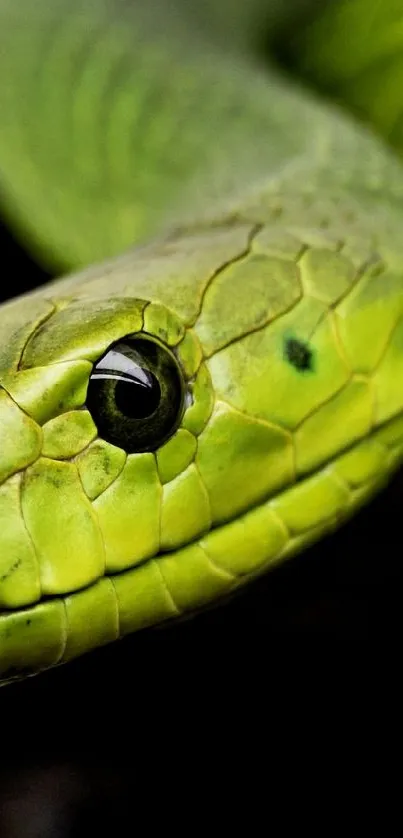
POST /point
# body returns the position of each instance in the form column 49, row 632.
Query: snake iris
column 180, row 418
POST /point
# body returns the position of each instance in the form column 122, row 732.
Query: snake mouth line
column 300, row 480
column 273, row 502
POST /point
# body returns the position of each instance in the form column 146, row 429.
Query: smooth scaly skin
column 286, row 227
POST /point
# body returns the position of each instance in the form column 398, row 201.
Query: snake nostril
column 299, row 354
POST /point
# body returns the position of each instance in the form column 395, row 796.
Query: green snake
column 223, row 385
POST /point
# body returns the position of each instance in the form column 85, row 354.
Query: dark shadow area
column 19, row 271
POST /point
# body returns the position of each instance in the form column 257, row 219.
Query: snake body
column 266, row 274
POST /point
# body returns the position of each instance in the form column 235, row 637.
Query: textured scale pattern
column 292, row 471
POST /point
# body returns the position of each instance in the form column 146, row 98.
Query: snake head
column 233, row 400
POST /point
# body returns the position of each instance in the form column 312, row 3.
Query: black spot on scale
column 298, row 354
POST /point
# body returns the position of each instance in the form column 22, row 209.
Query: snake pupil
column 138, row 399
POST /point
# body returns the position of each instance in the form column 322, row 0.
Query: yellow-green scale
column 216, row 564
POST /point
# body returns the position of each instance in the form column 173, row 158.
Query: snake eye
column 136, row 394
